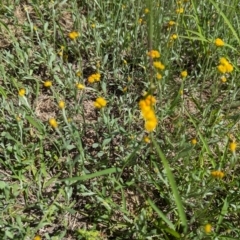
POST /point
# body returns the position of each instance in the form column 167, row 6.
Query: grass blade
column 173, row 185
column 93, row 175
column 226, row 20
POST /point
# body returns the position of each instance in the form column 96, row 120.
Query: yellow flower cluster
column 73, row 35
column 224, row 66
column 217, row 174
column 180, row 10
column 60, row 52
column 171, row 23
column 223, row 79
column 21, row 92
column 146, row 139
column 146, row 106
column 233, row 146
column 146, row 10
column 78, row 74
column 94, row 78
column 47, row 83
column 157, row 64
column 61, row 104
column 173, row 37
column 219, row 42
column 208, row 228
column 153, row 54
column 80, row 86
column 159, row 76
column 100, row 103
column 53, row 123
column 184, row 74
column 194, row 141
column 37, row 237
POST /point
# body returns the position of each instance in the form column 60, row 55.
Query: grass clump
column 119, row 119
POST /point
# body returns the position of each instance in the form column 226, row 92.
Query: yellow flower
column 73, row 35
column 146, row 106
column 222, row 68
column 233, row 146
column 180, row 10
column 91, row 79
column 148, row 114
column 148, row 101
column 94, row 78
column 47, row 83
column 223, row 61
column 174, row 37
column 146, row 10
column 124, row 61
column 37, row 237
column 140, row 21
column 146, row 139
column 225, row 66
column 159, row 76
column 53, row 123
column 217, row 174
column 158, row 65
column 171, row 23
column 184, row 74
column 150, row 125
column 223, row 79
column 93, row 25
column 80, row 86
column 124, row 89
column 78, row 74
column 21, row 92
column 219, row 42
column 207, row 228
column 229, row 67
column 100, row 102
column 97, row 77
column 153, row 54
column 60, row 52
column 61, row 104
column 194, row 141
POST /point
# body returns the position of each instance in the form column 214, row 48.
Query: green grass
column 94, row 176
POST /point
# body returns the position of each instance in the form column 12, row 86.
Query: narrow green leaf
column 226, row 20
column 37, row 125
column 93, row 175
column 2, row 92
column 202, row 138
column 172, row 232
column 4, row 25
column 223, row 213
column 200, row 36
column 160, row 213
column 173, row 185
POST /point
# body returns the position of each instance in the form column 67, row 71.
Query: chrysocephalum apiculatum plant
column 119, row 119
